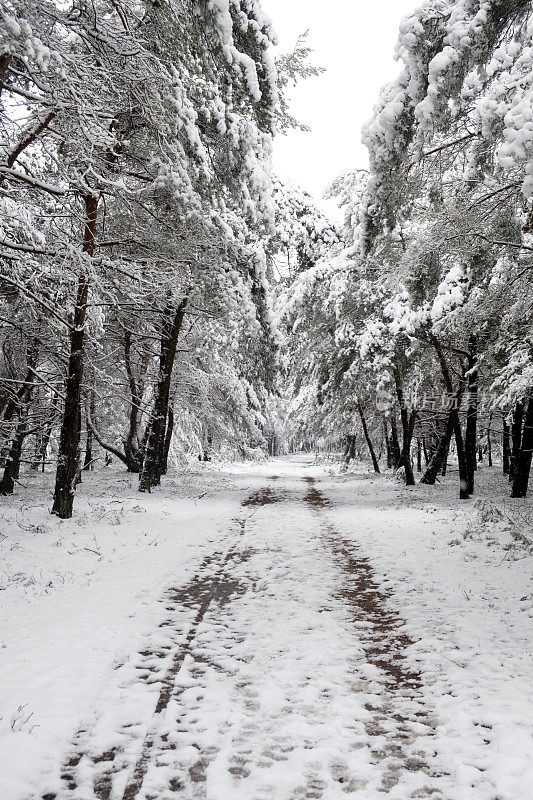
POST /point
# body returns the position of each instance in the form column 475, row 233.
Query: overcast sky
column 354, row 40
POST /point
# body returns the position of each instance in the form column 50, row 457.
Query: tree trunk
column 439, row 456
column 424, row 448
column 445, row 460
column 454, row 413
column 5, row 58
column 471, row 416
column 367, row 438
column 489, row 442
column 349, row 450
column 168, row 437
column 516, row 437
column 346, row 453
column 408, row 424
column 506, row 448
column 418, row 455
column 396, row 454
column 68, row 455
column 88, row 461
column 523, row 462
column 12, row 466
column 153, row 457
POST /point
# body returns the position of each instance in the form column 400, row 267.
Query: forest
column 177, row 322
column 163, row 294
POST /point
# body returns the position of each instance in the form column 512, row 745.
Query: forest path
column 279, row 671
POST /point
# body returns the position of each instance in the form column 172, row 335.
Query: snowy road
column 261, row 686
column 284, row 668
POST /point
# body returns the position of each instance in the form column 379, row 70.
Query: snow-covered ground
column 272, row 631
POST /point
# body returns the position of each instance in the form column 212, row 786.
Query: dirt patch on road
column 263, row 497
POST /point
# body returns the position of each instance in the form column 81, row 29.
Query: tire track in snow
column 220, row 589
column 400, row 716
column 202, row 594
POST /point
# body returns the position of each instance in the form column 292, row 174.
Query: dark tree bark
column 346, row 453
column 88, row 461
column 418, row 455
column 454, row 413
column 523, row 462
column 153, row 457
column 396, row 453
column 68, row 455
column 445, row 461
column 506, row 448
column 489, row 441
column 439, row 456
column 424, row 447
column 12, row 465
column 408, row 424
column 367, row 438
column 471, row 415
column 349, row 449
column 5, row 58
column 516, row 437
column 15, row 400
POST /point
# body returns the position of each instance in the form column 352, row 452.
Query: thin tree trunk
column 424, row 447
column 88, row 461
column 471, row 415
column 396, row 453
column 68, row 455
column 454, row 412
column 408, row 424
column 12, row 466
column 349, row 450
column 516, row 437
column 445, row 460
column 489, row 442
column 506, row 448
column 418, row 455
column 368, row 440
column 439, row 456
column 346, row 453
column 523, row 462
column 152, row 465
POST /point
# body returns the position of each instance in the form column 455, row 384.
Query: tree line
column 136, row 209
column 428, row 293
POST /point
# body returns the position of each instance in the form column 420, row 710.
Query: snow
column 303, row 634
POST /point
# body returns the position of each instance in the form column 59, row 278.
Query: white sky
column 354, row 40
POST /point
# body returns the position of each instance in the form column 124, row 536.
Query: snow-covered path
column 283, row 679
column 283, row 667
